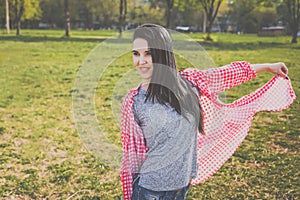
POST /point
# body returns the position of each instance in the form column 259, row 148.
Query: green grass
column 43, row 157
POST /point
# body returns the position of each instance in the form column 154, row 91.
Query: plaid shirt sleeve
column 134, row 146
column 215, row 80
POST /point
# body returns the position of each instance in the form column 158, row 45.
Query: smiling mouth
column 144, row 69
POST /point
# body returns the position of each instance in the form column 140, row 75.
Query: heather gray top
column 172, row 142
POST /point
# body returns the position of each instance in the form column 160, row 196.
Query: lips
column 144, row 69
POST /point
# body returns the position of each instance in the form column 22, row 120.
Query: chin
column 145, row 76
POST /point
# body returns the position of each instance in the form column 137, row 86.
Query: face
column 142, row 58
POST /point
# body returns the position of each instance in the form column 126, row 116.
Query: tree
column 147, row 13
column 122, row 15
column 293, row 7
column 177, row 12
column 25, row 9
column 84, row 14
column 249, row 16
column 211, row 8
column 187, row 13
column 19, row 10
column 243, row 16
column 7, row 17
column 170, row 5
column 49, row 7
column 109, row 13
column 266, row 16
column 67, row 17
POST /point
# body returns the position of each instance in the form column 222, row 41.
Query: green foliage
column 32, row 9
column 43, row 157
column 82, row 13
column 250, row 16
column 147, row 14
column 266, row 16
column 49, row 7
column 188, row 13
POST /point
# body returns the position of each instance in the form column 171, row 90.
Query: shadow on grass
column 232, row 46
column 246, row 46
column 51, row 39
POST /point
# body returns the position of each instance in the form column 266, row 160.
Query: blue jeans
column 140, row 193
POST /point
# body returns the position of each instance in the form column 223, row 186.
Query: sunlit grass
column 42, row 155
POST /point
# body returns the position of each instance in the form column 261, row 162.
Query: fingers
column 283, row 74
column 283, row 71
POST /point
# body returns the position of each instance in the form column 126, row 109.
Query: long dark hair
column 167, row 86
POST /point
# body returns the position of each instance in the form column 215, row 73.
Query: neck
column 145, row 84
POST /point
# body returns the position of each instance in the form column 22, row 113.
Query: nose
column 142, row 60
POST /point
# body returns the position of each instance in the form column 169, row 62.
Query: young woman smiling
column 175, row 131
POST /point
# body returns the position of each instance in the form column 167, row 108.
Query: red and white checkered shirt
column 225, row 125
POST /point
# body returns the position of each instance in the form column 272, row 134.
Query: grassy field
column 42, row 155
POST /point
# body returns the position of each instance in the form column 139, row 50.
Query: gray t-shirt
column 172, row 145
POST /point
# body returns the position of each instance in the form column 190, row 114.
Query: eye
column 148, row 53
column 135, row 53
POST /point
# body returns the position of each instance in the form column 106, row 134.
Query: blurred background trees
column 293, row 7
column 237, row 16
column 20, row 10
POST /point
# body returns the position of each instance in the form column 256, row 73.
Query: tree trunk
column 7, row 17
column 67, row 18
column 169, row 16
column 170, row 4
column 18, row 27
column 294, row 35
column 122, row 16
column 209, row 31
column 211, row 10
column 204, row 22
column 293, row 7
column 19, row 9
column 90, row 21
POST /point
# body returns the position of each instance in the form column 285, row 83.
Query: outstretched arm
column 215, row 80
column 275, row 68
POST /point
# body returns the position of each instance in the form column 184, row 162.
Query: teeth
column 144, row 69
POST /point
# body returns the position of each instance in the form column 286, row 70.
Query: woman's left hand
column 279, row 68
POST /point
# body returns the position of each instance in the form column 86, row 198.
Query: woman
column 175, row 132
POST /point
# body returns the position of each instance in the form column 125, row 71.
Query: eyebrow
column 136, row 51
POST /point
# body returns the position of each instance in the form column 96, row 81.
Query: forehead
column 140, row 44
